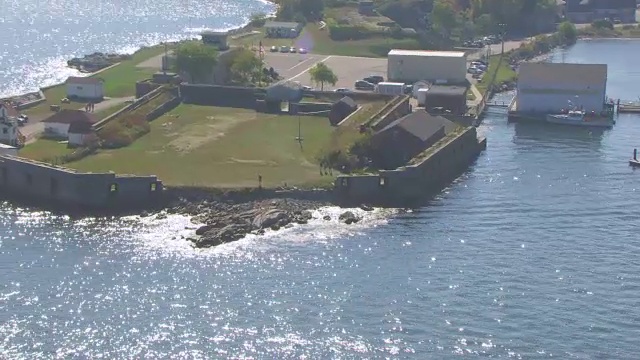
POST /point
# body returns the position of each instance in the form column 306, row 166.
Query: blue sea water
column 531, row 254
column 37, row 37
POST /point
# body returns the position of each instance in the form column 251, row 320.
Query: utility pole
column 503, row 31
column 165, row 62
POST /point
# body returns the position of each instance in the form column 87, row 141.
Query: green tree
column 443, row 17
column 246, row 67
column 485, row 25
column 321, row 74
column 311, row 9
column 196, row 59
column 567, row 33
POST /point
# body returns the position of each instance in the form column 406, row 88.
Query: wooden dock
column 629, row 108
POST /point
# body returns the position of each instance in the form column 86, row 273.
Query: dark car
column 364, row 85
column 374, row 79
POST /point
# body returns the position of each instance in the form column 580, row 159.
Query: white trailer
column 422, row 96
column 390, row 88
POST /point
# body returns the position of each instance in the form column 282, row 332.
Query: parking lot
column 348, row 69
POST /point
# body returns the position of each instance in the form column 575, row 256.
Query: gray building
column 278, row 29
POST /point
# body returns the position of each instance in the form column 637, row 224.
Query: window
column 153, row 186
column 113, row 188
column 383, row 181
column 78, row 87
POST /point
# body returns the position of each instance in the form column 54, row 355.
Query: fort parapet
column 45, row 184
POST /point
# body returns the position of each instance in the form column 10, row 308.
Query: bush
column 122, row 132
column 602, row 24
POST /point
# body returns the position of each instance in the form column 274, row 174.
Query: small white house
column 90, row 88
column 81, row 133
column 9, row 133
column 8, row 150
column 59, row 124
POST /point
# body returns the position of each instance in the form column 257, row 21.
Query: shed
column 434, row 66
column 81, row 132
column 59, row 124
column 279, row 29
column 341, row 109
column 216, row 38
column 453, row 98
column 551, row 87
column 403, row 139
column 89, row 88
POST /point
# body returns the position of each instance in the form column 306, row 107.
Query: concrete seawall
column 410, row 185
column 52, row 186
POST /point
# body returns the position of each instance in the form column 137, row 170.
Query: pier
column 632, row 108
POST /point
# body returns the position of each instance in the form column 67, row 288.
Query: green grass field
column 222, row 148
column 504, row 73
column 45, row 150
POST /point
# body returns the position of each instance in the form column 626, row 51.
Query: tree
column 246, row 67
column 321, row 74
column 312, row 9
column 196, row 59
column 443, row 17
column 567, row 33
column 485, row 25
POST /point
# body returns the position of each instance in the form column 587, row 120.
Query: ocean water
column 532, row 254
column 37, row 37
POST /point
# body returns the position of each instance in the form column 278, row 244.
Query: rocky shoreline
column 96, row 61
column 225, row 221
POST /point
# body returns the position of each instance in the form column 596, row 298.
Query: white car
column 302, row 51
column 307, row 88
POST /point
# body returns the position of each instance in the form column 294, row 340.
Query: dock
column 629, row 108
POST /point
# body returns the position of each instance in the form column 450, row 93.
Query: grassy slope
column 505, row 73
column 45, row 150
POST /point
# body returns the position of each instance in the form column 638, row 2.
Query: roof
column 447, row 90
column 5, row 146
column 11, row 111
column 425, row 53
column 421, row 124
column 576, row 74
column 214, row 33
column 83, row 80
column 67, row 116
column 81, row 127
column 347, row 101
column 281, row 24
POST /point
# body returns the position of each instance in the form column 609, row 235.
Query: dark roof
column 421, row 124
column 81, row 127
column 67, row 116
column 590, row 5
column 82, row 80
column 349, row 102
column 447, row 90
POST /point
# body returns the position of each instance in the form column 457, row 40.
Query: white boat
column 580, row 118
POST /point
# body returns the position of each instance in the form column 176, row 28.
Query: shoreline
column 231, row 31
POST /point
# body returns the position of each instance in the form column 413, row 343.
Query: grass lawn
column 318, row 42
column 45, row 150
column 223, row 148
column 119, row 81
column 504, row 73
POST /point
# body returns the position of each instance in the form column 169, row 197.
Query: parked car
column 307, row 88
column 284, row 49
column 374, row 79
column 364, row 85
column 342, row 90
column 274, row 49
column 293, row 50
column 302, row 51
column 23, row 117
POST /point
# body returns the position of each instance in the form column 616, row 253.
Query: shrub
column 124, row 131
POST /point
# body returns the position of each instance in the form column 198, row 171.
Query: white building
column 81, row 133
column 9, row 133
column 549, row 88
column 8, row 150
column 278, row 29
column 58, row 124
column 415, row 65
column 89, row 88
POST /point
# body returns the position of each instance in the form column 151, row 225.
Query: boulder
column 327, row 218
column 161, row 216
column 203, row 229
column 224, row 235
column 366, row 207
column 348, row 218
column 269, row 218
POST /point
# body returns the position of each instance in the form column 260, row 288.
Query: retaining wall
column 163, row 109
column 25, row 179
column 218, row 95
column 411, row 184
column 393, row 111
column 309, row 107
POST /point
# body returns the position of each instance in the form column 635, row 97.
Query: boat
column 579, row 117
